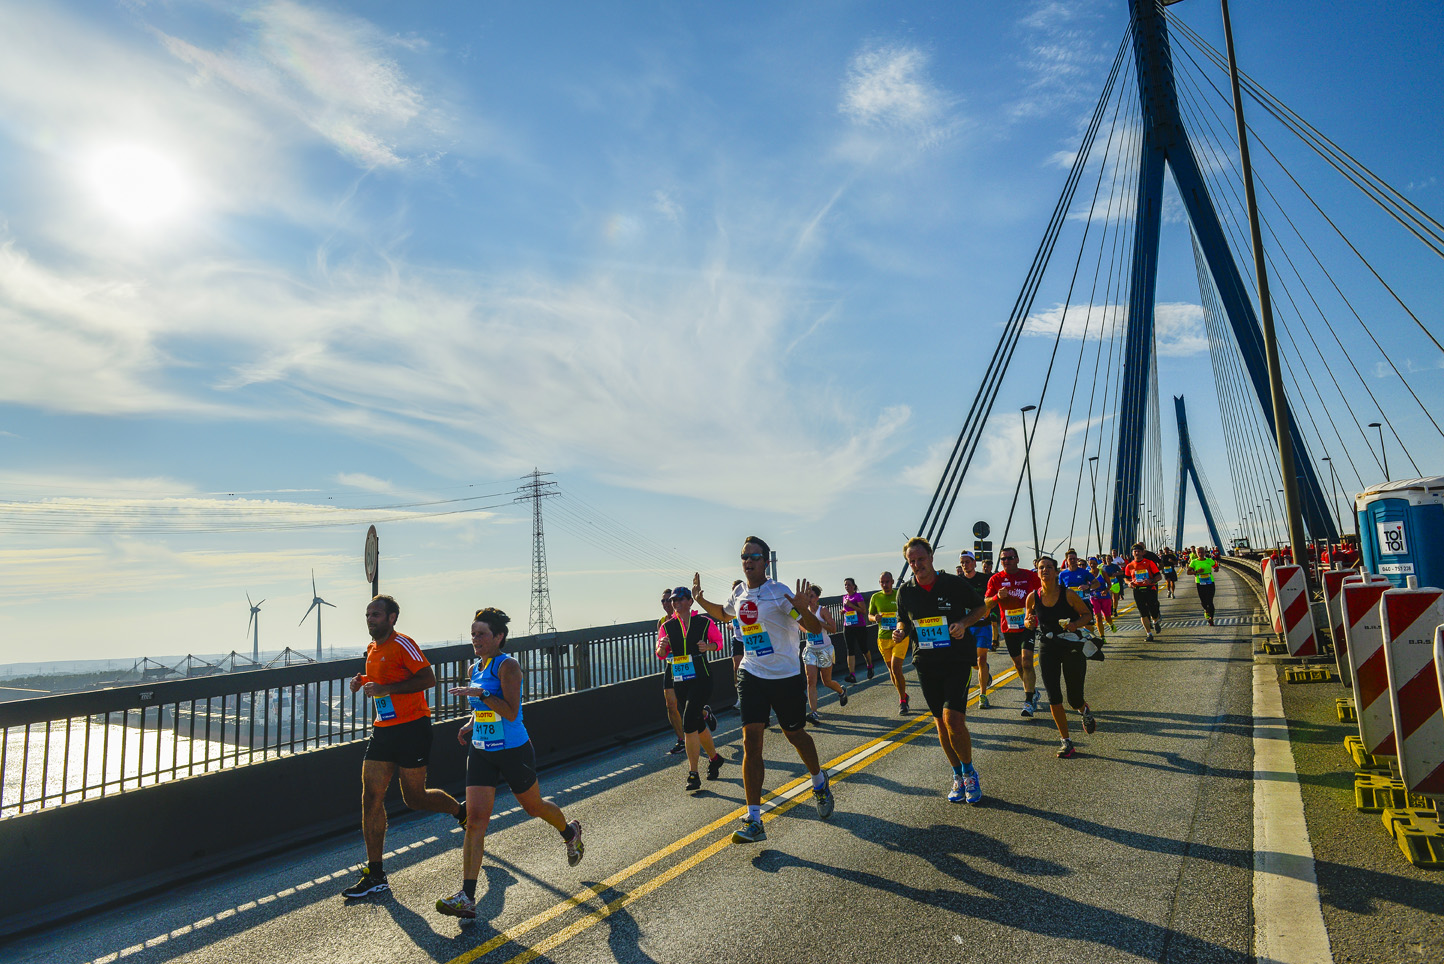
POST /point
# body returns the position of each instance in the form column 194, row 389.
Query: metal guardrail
column 77, row 746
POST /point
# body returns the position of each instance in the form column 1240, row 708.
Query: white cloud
column 888, row 86
column 1178, row 328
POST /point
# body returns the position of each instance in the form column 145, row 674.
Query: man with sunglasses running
column 770, row 678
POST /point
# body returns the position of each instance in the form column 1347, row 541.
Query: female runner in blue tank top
column 499, row 750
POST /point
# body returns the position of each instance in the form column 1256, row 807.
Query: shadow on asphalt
column 948, row 849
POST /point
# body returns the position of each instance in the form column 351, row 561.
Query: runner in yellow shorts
column 882, row 613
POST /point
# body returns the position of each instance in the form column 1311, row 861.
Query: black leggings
column 1057, row 658
column 860, row 640
column 1205, row 596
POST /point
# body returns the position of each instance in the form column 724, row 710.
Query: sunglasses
column 753, row 557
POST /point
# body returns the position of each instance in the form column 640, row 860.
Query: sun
column 137, row 185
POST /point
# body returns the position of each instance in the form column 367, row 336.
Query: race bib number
column 817, row 639
column 1013, row 619
column 1140, row 578
column 756, row 641
column 486, row 733
column 933, row 632
column 850, row 619
column 682, row 668
column 1205, row 580
column 1168, row 571
column 385, row 709
column 888, row 623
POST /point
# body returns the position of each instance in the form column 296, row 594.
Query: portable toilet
column 1401, row 530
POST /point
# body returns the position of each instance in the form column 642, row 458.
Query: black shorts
column 692, row 695
column 408, row 745
column 516, row 766
column 666, row 676
column 944, row 683
column 1019, row 641
column 1147, row 602
column 758, row 698
column 737, row 648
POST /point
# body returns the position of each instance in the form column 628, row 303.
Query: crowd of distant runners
column 1052, row 619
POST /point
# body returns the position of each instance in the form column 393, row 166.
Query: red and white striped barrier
column 1364, row 640
column 1288, row 589
column 1334, row 580
column 1271, row 591
column 1411, row 621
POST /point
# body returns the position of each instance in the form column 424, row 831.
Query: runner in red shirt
column 1142, row 574
column 1008, row 593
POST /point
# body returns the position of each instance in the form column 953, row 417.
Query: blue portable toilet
column 1401, row 530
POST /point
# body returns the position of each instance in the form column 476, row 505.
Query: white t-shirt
column 769, row 630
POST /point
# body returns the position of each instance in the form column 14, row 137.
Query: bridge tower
column 1166, row 141
column 539, row 620
column 1187, row 470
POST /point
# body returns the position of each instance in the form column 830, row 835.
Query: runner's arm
column 708, row 606
column 508, row 703
column 419, row 682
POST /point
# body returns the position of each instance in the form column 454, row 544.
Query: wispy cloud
column 1061, row 56
column 890, row 98
column 1178, row 328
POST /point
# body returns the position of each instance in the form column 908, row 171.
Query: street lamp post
column 1383, row 452
column 1028, row 467
column 1097, row 525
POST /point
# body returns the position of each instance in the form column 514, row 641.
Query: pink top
column 712, row 642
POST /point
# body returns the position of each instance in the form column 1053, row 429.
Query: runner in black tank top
column 1059, row 654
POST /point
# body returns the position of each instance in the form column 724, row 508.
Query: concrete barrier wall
column 103, row 851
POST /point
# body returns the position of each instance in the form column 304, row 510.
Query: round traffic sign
column 373, row 554
column 980, row 530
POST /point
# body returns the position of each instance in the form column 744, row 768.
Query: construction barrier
column 1288, row 593
column 1271, row 592
column 1334, row 580
column 1411, row 618
column 1364, row 635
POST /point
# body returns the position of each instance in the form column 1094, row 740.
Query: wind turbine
column 316, row 603
column 256, row 620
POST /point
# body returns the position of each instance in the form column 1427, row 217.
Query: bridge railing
column 77, row 746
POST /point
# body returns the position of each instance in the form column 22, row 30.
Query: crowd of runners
column 1052, row 619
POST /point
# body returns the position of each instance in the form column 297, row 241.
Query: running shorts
column 819, row 656
column 859, row 640
column 666, row 675
column 692, row 695
column 1018, row 642
column 944, row 684
column 1102, row 606
column 489, row 768
column 759, row 697
column 408, row 745
column 891, row 650
column 983, row 635
column 1147, row 602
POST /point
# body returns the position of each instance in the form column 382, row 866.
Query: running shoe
column 368, row 884
column 983, row 703
column 871, row 672
column 903, row 705
column 1089, row 723
column 972, row 787
column 710, row 718
column 681, row 747
column 825, row 803
column 575, row 848
column 457, row 905
column 842, row 697
column 1148, row 638
column 814, row 719
column 694, row 782
column 750, row 832
column 1028, row 706
column 1209, row 620
column 955, row 795
column 461, row 817
column 849, row 678
column 1065, row 749
column 714, row 766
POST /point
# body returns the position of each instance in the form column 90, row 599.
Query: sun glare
column 138, row 185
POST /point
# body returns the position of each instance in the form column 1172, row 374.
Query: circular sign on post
column 373, row 554
column 980, row 530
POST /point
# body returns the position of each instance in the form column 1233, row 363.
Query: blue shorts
column 983, row 635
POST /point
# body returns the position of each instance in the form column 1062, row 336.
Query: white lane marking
column 1288, row 920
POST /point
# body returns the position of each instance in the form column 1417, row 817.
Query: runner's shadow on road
column 947, row 848
column 1190, row 726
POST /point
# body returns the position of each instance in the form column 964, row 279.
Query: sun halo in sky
column 138, row 185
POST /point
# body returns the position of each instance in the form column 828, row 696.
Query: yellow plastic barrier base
column 1377, row 792
column 1274, row 649
column 1418, row 834
column 1344, row 706
column 1362, row 758
column 1307, row 674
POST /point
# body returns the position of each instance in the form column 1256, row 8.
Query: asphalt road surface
column 1139, row 848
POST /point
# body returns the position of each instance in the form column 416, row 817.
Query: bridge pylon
column 1166, row 142
column 1187, row 470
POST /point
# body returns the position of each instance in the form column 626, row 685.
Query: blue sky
column 721, row 269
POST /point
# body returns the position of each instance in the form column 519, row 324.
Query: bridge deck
column 1140, row 848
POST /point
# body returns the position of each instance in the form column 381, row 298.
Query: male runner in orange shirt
column 397, row 677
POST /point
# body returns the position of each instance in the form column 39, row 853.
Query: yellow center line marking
column 774, row 803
